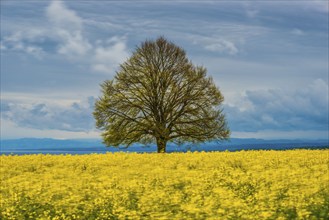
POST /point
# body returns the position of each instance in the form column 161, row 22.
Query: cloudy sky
column 269, row 59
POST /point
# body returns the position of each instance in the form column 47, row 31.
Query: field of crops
column 219, row 185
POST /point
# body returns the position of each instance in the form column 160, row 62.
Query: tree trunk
column 161, row 144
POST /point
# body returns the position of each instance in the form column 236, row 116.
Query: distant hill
column 85, row 146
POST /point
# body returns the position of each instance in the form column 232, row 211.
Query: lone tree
column 157, row 96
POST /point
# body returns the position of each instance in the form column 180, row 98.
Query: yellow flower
column 216, row 185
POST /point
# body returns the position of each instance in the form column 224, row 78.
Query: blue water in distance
column 89, row 146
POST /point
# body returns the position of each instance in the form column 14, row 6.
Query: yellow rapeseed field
column 218, row 185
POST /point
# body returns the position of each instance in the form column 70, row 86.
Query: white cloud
column 19, row 42
column 65, row 28
column 278, row 109
column 68, row 28
column 102, row 56
column 72, row 116
column 35, row 51
column 217, row 44
column 108, row 56
column 63, row 17
column 74, row 45
column 10, row 130
column 223, row 46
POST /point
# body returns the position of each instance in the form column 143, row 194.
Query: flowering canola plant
column 290, row 184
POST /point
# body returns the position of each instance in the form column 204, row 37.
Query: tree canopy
column 159, row 96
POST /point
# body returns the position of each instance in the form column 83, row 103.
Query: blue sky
column 269, row 59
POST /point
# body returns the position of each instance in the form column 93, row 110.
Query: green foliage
column 158, row 95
